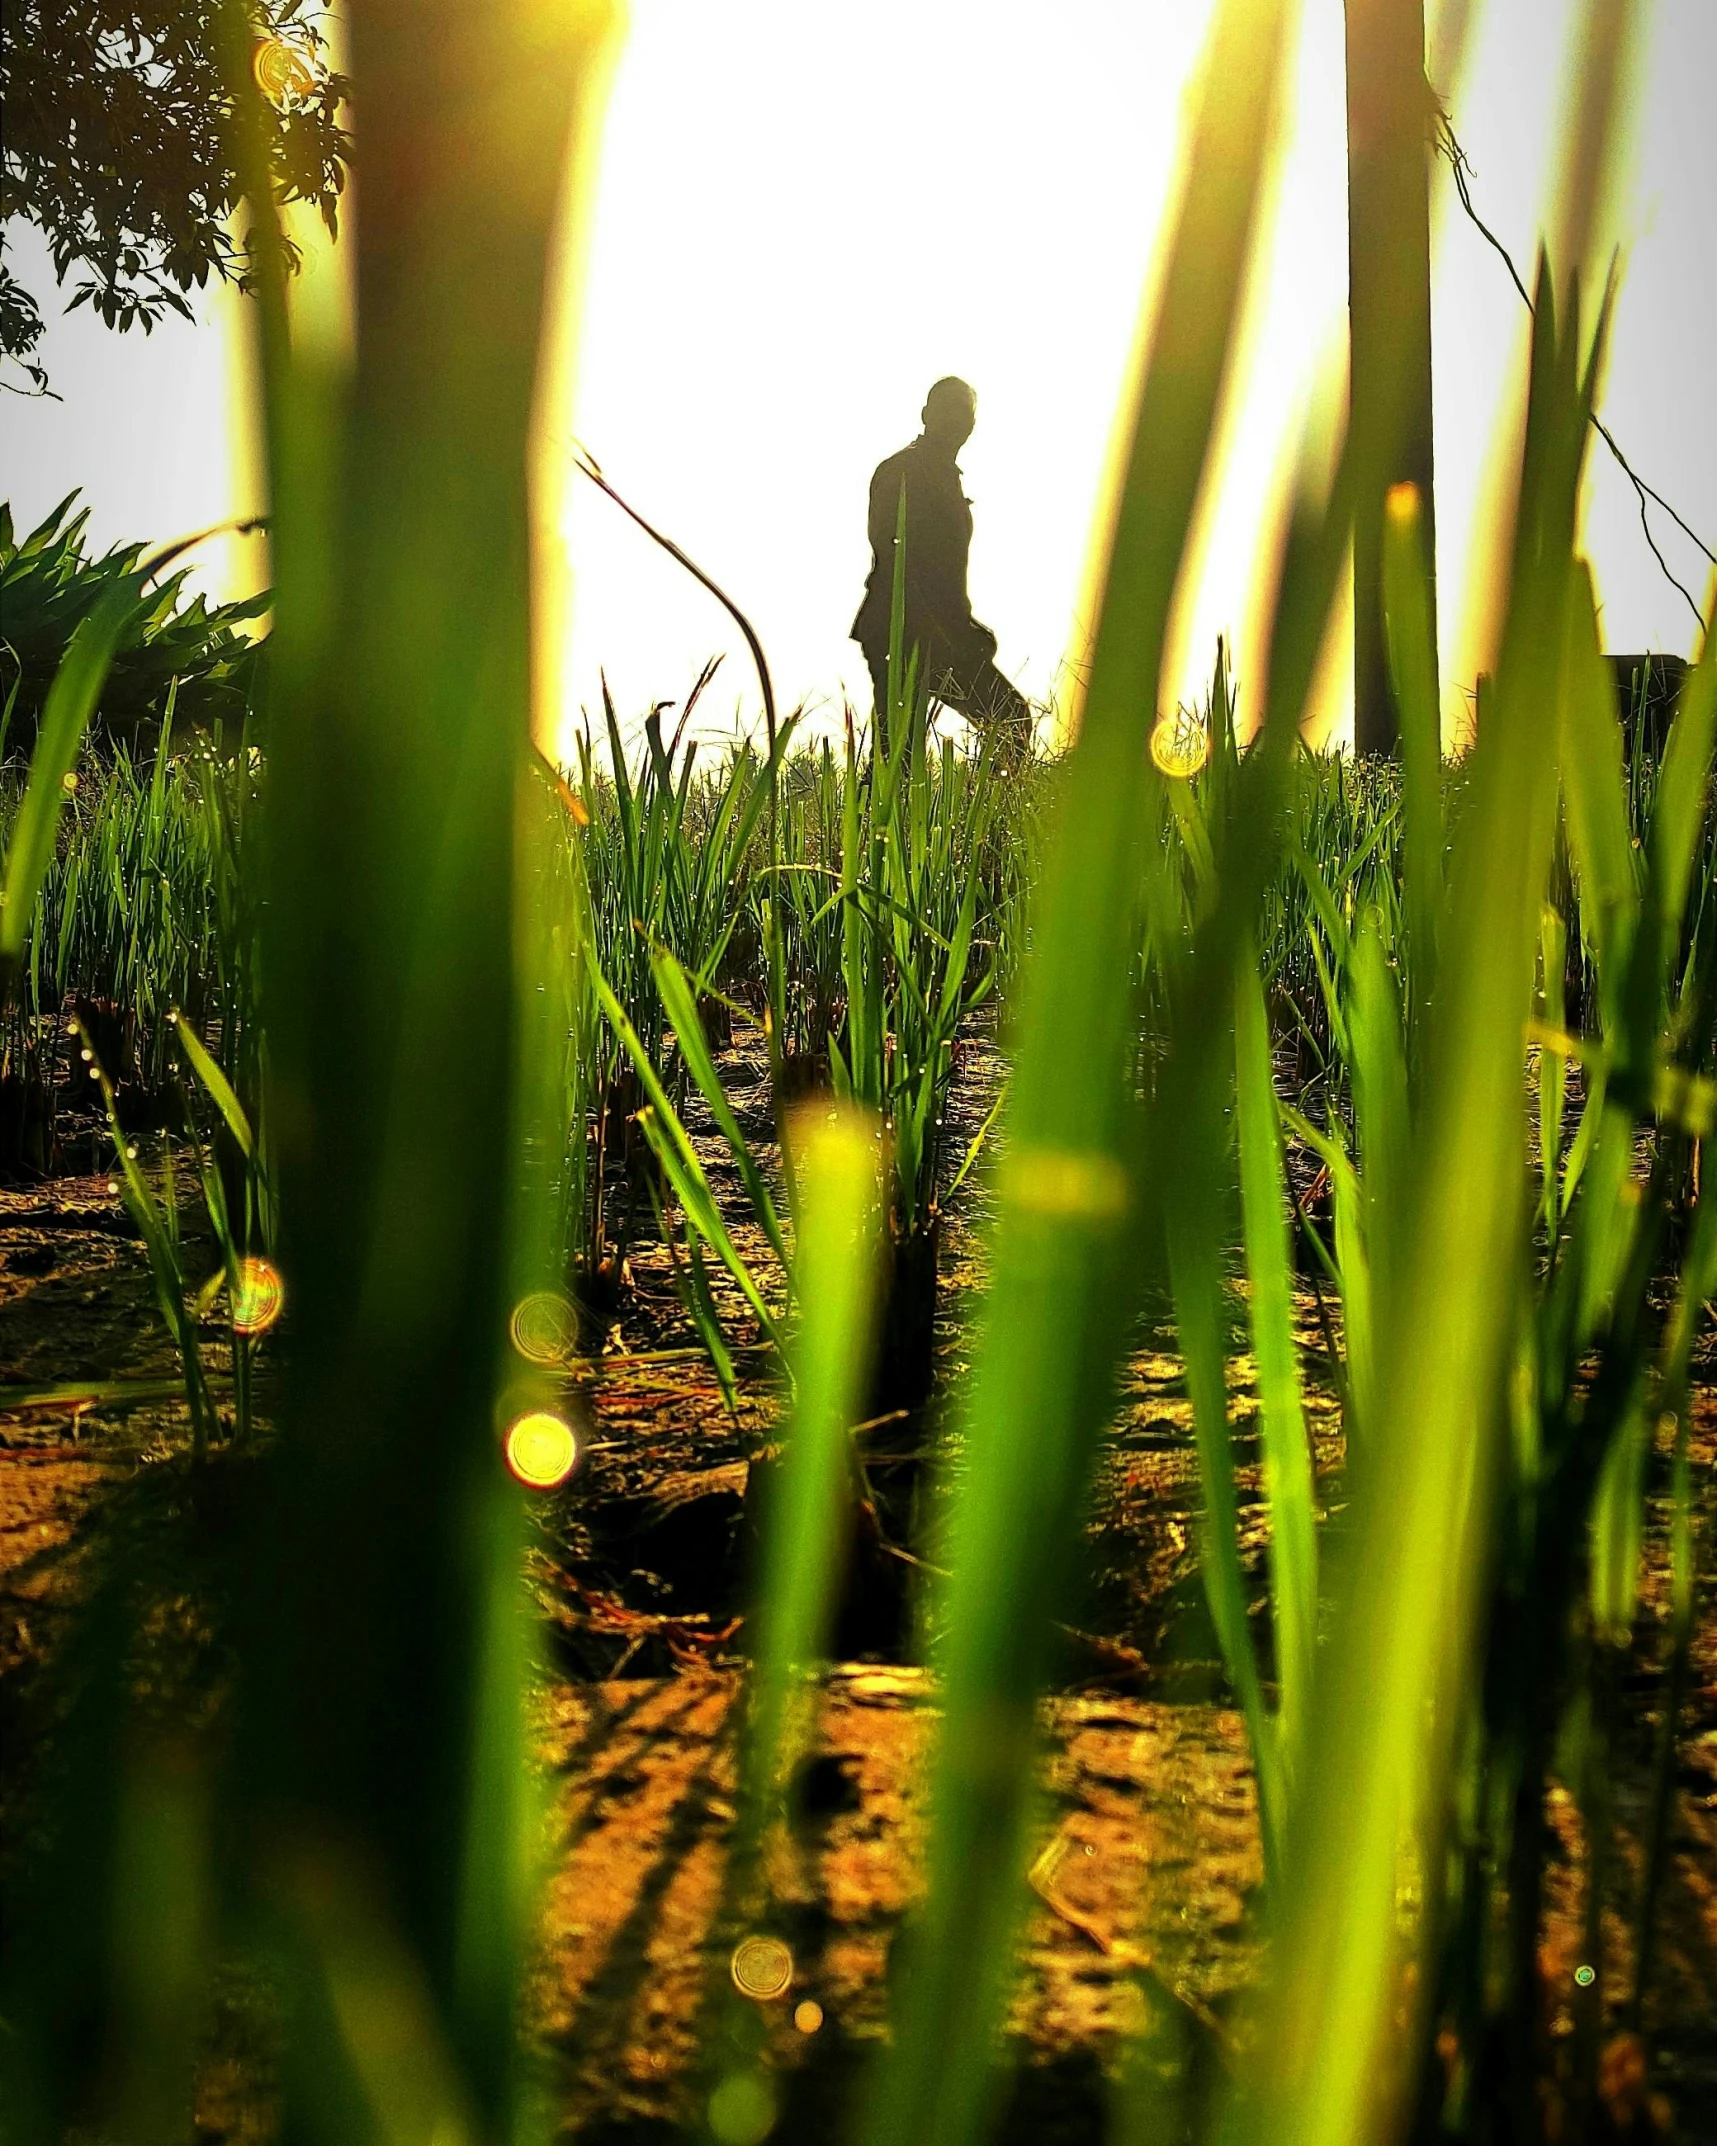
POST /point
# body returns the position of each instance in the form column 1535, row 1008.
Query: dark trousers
column 993, row 705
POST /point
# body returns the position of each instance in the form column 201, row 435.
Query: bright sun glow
column 796, row 231
column 779, row 271
column 804, row 217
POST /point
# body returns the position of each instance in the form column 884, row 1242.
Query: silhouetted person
column 956, row 655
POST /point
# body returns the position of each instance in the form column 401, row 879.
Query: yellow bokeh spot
column 259, row 1298
column 1401, row 504
column 69, row 780
column 1179, row 746
column 808, row 2016
column 1065, row 1183
column 545, row 1327
column 742, row 2109
column 282, row 72
column 541, row 1450
column 762, row 1967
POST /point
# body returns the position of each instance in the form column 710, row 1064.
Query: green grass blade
column 1410, row 632
column 1196, row 1268
column 71, row 701
column 1598, row 837
column 1552, row 1065
column 401, row 676
column 681, row 1005
column 1058, row 1302
column 1288, row 1485
column 1385, row 1699
column 1379, row 1074
column 836, row 1276
column 215, row 1081
column 1683, row 796
column 672, row 1145
column 158, row 1227
column 1618, row 1526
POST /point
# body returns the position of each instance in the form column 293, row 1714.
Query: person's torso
column 938, row 536
column 938, row 513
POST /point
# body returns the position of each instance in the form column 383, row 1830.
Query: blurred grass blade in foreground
column 1288, row 1485
column 835, row 1272
column 1060, row 1297
column 806, row 1513
column 1331, row 2067
column 381, row 1686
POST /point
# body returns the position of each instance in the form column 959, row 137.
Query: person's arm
column 884, row 518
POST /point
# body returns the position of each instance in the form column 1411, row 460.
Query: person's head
column 950, row 411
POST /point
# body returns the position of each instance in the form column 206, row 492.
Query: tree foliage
column 118, row 147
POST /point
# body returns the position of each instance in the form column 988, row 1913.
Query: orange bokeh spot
column 575, row 805
column 541, row 1449
column 259, row 1298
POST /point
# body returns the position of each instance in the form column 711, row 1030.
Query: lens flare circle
column 282, row 72
column 541, row 1449
column 544, row 1327
column 1179, row 746
column 259, row 1298
column 762, row 1967
column 808, row 2016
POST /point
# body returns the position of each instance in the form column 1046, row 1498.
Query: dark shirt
column 938, row 541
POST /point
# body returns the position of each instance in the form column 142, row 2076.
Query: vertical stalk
column 1389, row 309
column 375, row 1653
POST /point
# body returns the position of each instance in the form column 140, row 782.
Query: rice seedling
column 170, row 648
column 811, row 838
column 147, row 905
column 913, row 973
column 867, row 958
column 159, row 1225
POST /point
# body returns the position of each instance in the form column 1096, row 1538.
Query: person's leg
column 993, row 705
column 879, row 698
column 926, row 662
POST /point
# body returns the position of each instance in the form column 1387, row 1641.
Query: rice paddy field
column 814, row 1439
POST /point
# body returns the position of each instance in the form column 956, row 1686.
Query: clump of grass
column 173, row 653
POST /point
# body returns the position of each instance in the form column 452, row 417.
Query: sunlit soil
column 1147, row 1859
column 1147, row 1863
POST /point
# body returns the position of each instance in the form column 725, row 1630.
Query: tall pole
column 1389, row 314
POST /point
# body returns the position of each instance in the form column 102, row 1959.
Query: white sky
column 805, row 215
